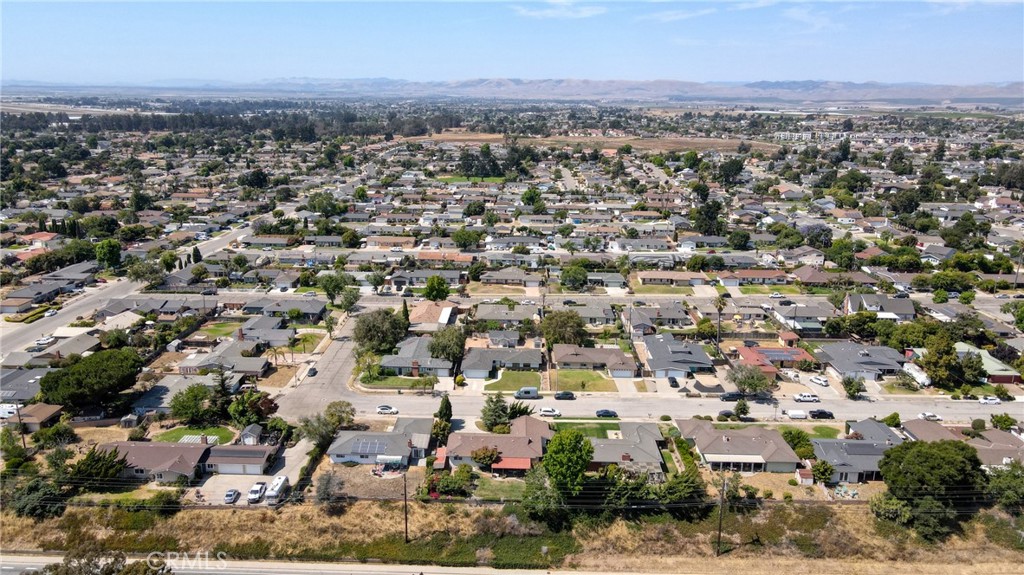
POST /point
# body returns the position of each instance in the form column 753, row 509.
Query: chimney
column 627, row 457
column 415, row 368
column 203, row 440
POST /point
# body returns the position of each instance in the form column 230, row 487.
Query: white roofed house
column 414, row 359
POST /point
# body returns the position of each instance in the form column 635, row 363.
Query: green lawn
column 223, row 434
column 897, row 390
column 221, row 329
column 306, row 342
column 305, row 289
column 499, row 489
column 661, row 290
column 623, row 344
column 764, row 290
column 817, row 432
column 597, row 429
column 455, row 179
column 581, row 380
column 513, row 380
column 397, row 382
column 670, row 463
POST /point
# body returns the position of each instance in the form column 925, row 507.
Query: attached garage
column 240, row 459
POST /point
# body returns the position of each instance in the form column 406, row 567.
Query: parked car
column 639, row 303
column 549, row 412
column 786, row 302
column 208, row 291
column 312, row 371
column 673, row 382
column 731, row 396
column 386, row 410
column 775, row 295
column 990, row 400
column 929, row 416
column 256, row 492
column 396, row 249
column 606, row 413
column 50, row 313
column 1002, row 296
column 821, row 414
column 565, row 395
column 232, row 496
column 904, row 295
column 806, row 397
column 309, row 294
column 820, row 380
column 726, row 413
column 569, row 302
column 954, row 294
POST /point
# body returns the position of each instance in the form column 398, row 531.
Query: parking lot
column 213, row 487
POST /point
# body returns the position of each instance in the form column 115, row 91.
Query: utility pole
column 721, row 509
column 405, row 500
column 21, row 428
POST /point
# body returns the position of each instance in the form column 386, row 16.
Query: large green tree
column 494, row 412
column 108, row 253
column 449, row 343
column 574, row 277
column 568, row 456
column 748, row 379
column 93, row 380
column 192, row 405
column 563, row 327
column 436, row 289
column 380, row 330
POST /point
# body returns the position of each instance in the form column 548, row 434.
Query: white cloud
column 560, row 10
column 677, row 15
column 811, row 20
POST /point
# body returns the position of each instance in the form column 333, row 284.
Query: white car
column 820, row 380
column 549, row 412
column 396, row 249
column 775, row 295
column 386, row 410
column 990, row 400
column 50, row 313
column 46, row 340
column 929, row 416
column 256, row 492
column 806, row 397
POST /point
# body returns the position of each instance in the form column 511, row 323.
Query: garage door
column 231, row 468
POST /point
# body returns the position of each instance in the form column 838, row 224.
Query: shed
column 251, row 434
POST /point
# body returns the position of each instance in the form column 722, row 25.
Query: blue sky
column 932, row 41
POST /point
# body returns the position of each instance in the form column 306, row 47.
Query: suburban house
column 503, row 338
column 403, row 242
column 480, row 362
column 997, row 448
column 883, row 306
column 311, row 310
column 612, row 360
column 36, row 416
column 414, row 359
column 592, row 314
column 803, row 255
column 503, row 315
column 759, row 277
column 924, row 430
column 240, row 357
column 21, row 385
column 672, row 278
column 158, row 398
column 998, row 372
column 406, row 443
column 811, row 276
column 750, row 449
column 430, row 316
column 936, row 254
column 805, row 318
column 771, row 359
column 239, row 459
column 512, row 277
column 666, row 357
column 518, row 451
column 638, row 245
column 870, row 362
column 158, row 461
column 637, row 451
column 640, row 321
column 606, row 279
column 418, row 278
column 856, row 460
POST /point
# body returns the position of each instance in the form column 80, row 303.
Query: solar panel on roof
column 369, row 447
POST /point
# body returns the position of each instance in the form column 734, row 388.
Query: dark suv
column 821, row 414
column 565, row 395
column 731, row 396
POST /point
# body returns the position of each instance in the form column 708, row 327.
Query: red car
column 101, row 280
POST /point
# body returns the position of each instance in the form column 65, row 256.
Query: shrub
column 137, row 434
column 768, row 494
column 804, row 452
column 793, row 482
column 955, row 397
column 722, row 418
column 1003, row 394
column 50, row 437
column 892, row 420
column 978, row 425
column 787, row 497
column 666, row 418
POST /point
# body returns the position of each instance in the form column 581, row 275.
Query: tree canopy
column 566, row 461
column 93, row 380
column 380, row 330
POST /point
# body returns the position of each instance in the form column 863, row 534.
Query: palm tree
column 719, row 305
column 276, row 354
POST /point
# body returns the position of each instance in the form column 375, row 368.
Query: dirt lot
column 167, row 359
column 360, row 482
column 96, row 435
column 278, row 377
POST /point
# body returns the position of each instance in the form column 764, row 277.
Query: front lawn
column 597, row 429
column 580, row 380
column 397, row 382
column 670, row 463
column 768, row 289
column 817, row 432
column 499, row 489
column 661, row 290
column 513, row 380
column 306, row 342
column 223, row 434
column 305, row 289
column 899, row 390
column 221, row 329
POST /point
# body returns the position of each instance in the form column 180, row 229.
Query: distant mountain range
column 792, row 92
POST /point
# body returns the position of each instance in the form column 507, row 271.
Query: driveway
column 213, row 487
column 705, row 291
